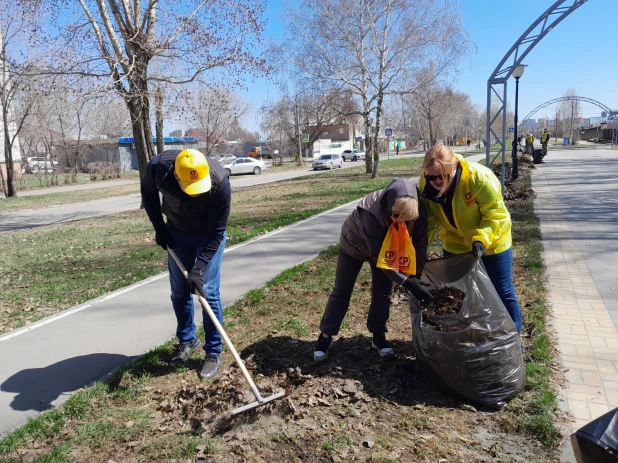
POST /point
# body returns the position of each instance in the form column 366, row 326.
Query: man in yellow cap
column 196, row 202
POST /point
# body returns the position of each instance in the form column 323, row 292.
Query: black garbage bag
column 597, row 442
column 480, row 360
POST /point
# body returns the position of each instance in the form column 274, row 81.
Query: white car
column 353, row 155
column 225, row 158
column 245, row 166
column 40, row 164
column 327, row 161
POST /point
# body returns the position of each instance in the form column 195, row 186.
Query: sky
column 579, row 53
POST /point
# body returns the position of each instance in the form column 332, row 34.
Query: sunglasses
column 433, row 178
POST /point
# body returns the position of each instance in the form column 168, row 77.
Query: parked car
column 245, row 166
column 353, row 155
column 327, row 161
column 225, row 158
column 40, row 164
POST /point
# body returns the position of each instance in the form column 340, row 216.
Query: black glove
column 162, row 237
column 195, row 280
column 478, row 249
column 415, row 286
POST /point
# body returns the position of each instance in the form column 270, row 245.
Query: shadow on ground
column 38, row 388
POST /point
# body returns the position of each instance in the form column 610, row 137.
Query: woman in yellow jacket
column 465, row 200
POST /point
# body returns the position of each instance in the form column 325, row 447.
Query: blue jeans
column 500, row 271
column 186, row 246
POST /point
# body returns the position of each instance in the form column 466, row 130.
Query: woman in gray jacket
column 363, row 240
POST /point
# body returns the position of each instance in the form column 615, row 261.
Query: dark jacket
column 206, row 214
column 364, row 230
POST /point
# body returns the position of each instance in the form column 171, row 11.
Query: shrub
column 104, row 170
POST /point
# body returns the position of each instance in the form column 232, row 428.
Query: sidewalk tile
column 579, row 409
column 606, row 366
column 592, row 378
column 597, row 410
column 612, row 397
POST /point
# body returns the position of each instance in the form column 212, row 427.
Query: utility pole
column 556, row 130
column 571, row 126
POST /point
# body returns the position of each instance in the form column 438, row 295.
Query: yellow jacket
column 478, row 211
column 530, row 138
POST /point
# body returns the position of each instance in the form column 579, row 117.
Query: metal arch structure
column 496, row 84
column 566, row 98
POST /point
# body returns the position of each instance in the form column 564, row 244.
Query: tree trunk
column 139, row 108
column 431, row 134
column 376, row 134
column 159, row 119
column 8, row 156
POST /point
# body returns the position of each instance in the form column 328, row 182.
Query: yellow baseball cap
column 193, row 172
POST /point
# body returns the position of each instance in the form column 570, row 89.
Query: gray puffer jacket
column 364, row 230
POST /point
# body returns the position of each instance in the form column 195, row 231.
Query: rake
column 259, row 399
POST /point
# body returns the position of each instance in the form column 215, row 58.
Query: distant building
column 176, row 133
column 121, row 150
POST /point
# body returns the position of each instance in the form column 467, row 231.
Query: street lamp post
column 517, row 73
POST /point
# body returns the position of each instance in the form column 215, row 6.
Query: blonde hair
column 441, row 158
column 405, row 208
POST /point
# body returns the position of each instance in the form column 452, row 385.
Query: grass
column 21, row 203
column 49, row 269
column 33, row 181
column 94, row 421
column 537, row 415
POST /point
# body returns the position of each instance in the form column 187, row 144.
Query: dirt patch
column 514, row 190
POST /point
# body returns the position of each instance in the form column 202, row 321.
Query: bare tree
column 569, row 111
column 20, row 83
column 214, row 109
column 376, row 48
column 305, row 110
column 117, row 40
column 108, row 118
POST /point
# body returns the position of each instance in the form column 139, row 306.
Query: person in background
column 465, row 200
column 545, row 136
column 529, row 143
column 196, row 201
column 387, row 219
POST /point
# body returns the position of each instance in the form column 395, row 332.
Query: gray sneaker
column 211, row 366
column 183, row 351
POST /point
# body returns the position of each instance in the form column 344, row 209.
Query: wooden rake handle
column 220, row 329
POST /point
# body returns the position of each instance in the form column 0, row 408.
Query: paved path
column 577, row 204
column 80, row 187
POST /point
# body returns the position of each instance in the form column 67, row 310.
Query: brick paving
column 577, row 204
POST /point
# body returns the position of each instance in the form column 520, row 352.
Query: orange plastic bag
column 397, row 252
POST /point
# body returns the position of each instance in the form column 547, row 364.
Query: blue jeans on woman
column 187, row 246
column 500, row 271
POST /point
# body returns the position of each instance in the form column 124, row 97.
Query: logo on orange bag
column 397, row 252
column 469, row 199
column 389, row 257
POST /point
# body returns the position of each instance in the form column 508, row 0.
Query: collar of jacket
column 465, row 175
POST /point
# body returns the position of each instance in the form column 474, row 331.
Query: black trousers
column 339, row 300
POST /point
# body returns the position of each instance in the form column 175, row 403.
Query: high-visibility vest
column 530, row 138
column 545, row 137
